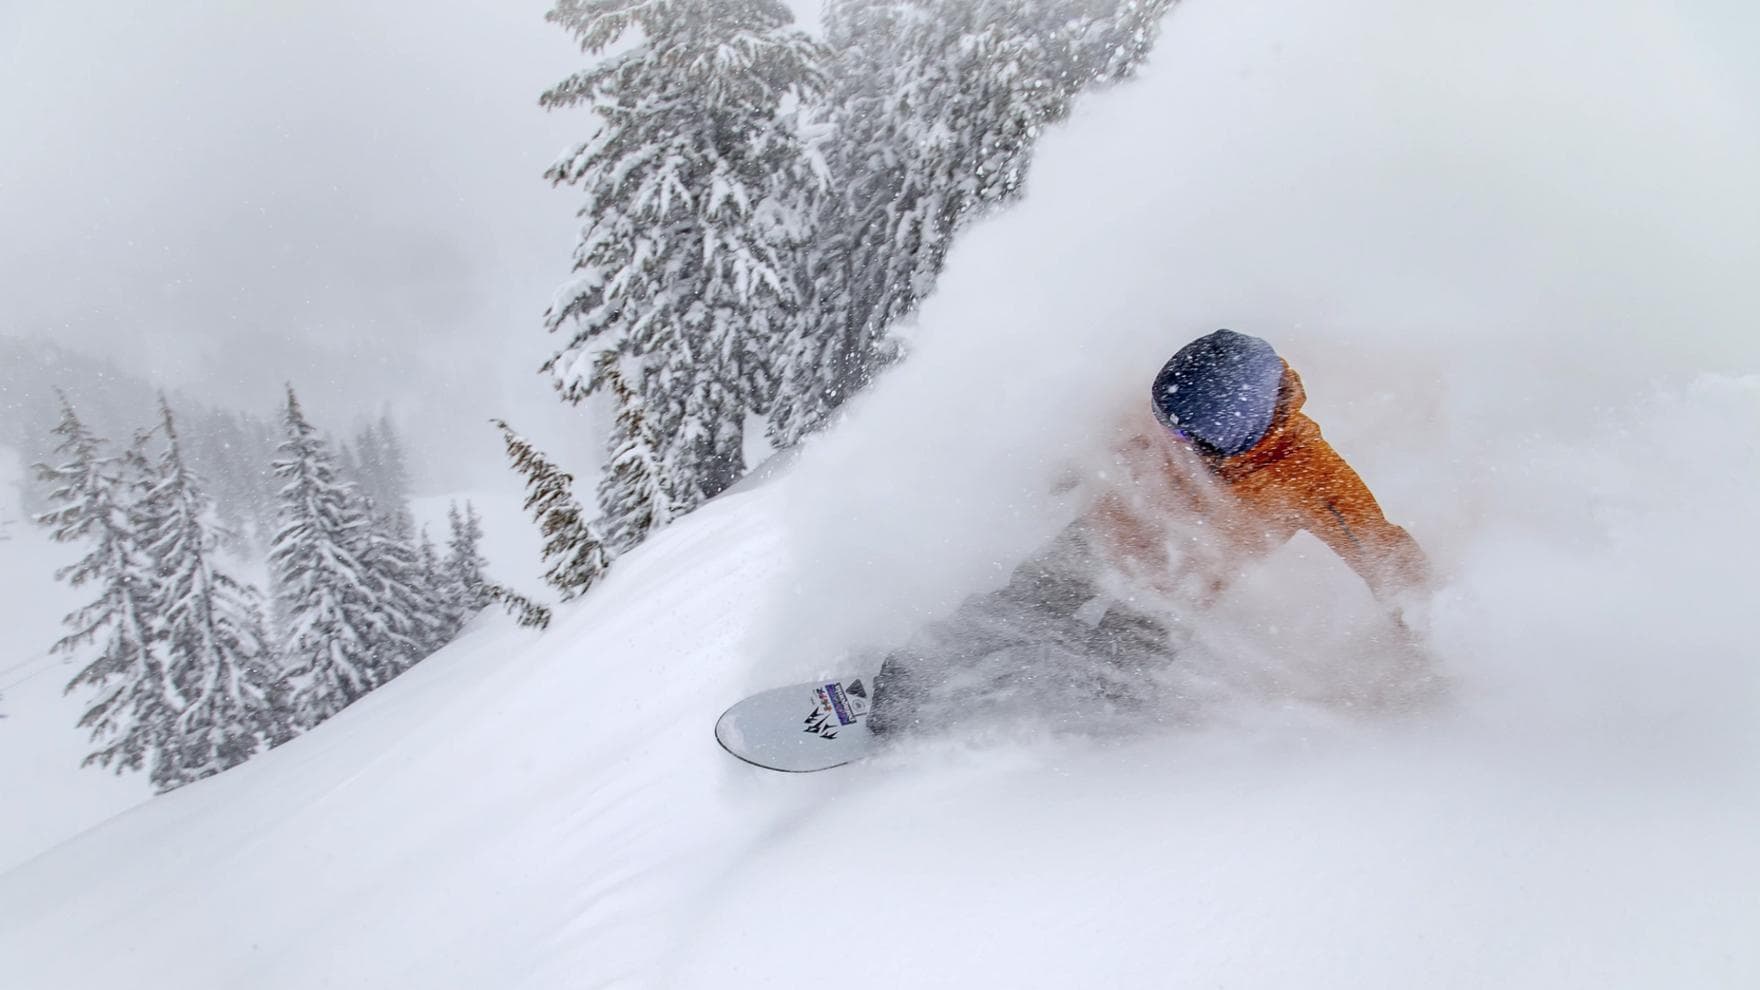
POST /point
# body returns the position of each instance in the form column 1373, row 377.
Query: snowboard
column 801, row 728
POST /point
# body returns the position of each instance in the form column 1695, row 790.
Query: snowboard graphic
column 801, row 728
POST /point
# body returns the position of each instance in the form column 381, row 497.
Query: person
column 1221, row 467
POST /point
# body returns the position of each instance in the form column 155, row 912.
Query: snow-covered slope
column 500, row 811
column 526, row 810
column 50, row 797
column 1508, row 248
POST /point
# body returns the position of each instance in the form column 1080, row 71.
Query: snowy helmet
column 1220, row 391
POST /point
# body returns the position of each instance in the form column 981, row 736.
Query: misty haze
column 1186, row 492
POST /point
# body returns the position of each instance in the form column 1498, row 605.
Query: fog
column 225, row 197
column 1510, row 246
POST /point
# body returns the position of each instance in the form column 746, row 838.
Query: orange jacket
column 1248, row 504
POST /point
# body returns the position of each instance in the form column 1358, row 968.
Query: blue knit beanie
column 1220, row 389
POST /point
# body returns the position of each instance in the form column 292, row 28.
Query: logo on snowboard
column 831, row 701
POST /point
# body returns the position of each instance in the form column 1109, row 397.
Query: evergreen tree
column 935, row 106
column 111, row 401
column 94, row 498
column 377, row 465
column 467, row 584
column 528, row 613
column 352, row 469
column 394, row 483
column 220, row 455
column 325, row 595
column 217, row 659
column 574, row 550
column 408, row 612
column 635, row 496
column 696, row 187
column 449, row 613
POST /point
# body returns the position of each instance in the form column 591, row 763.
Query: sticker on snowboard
column 798, row 729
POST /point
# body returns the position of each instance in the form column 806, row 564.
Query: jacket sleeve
column 1329, row 499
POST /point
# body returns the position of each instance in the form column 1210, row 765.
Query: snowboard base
column 800, row 728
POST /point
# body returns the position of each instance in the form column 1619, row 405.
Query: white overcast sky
column 227, row 195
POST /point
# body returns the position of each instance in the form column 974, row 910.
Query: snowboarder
column 1221, row 467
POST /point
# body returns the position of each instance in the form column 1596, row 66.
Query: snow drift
column 1508, row 248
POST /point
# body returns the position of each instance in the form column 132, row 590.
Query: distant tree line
column 232, row 449
column 191, row 669
column 763, row 209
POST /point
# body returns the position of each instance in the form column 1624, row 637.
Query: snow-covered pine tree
column 465, row 579
column 575, row 552
column 213, row 453
column 449, row 616
column 94, row 499
column 394, row 484
column 636, row 495
column 377, row 464
column 935, row 107
column 525, row 611
column 351, row 467
column 325, row 595
column 695, row 219
column 837, row 341
column 231, row 453
column 218, row 661
column 408, row 618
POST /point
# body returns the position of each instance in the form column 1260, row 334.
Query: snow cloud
column 1509, row 246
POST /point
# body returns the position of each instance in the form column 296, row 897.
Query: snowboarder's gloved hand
column 1411, row 613
column 1418, row 676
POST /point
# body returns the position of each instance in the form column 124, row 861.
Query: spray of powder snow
column 1510, row 248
